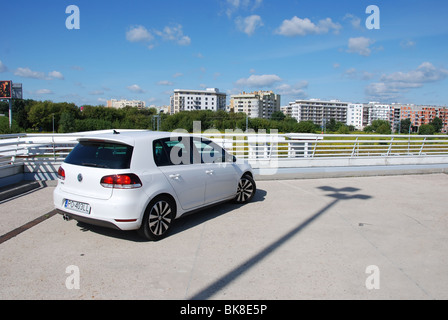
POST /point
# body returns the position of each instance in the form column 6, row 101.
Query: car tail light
column 121, row 181
column 61, row 173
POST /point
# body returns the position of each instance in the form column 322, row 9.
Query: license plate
column 77, row 206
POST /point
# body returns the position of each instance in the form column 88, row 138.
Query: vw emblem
column 79, row 177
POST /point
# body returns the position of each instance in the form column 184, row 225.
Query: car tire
column 158, row 218
column 246, row 189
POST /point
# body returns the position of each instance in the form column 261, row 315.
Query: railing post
column 315, row 147
column 421, row 149
column 354, row 147
column 13, row 159
column 390, row 147
column 54, row 149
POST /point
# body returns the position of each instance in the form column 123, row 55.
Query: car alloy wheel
column 158, row 219
column 246, row 189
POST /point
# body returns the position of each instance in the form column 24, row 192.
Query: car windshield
column 101, row 154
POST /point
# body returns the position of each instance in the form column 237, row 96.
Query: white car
column 143, row 180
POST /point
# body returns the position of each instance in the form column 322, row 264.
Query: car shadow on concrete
column 191, row 220
column 187, row 221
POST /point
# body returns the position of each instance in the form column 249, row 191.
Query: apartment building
column 319, row 111
column 287, row 110
column 257, row 104
column 443, row 115
column 188, row 100
column 355, row 113
column 118, row 104
column 378, row 111
column 420, row 115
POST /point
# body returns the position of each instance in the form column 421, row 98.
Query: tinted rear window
column 101, row 154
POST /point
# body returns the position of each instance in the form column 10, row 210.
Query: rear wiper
column 86, row 164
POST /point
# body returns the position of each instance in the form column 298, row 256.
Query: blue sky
column 144, row 50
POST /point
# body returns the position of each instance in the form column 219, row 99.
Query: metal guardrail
column 36, row 149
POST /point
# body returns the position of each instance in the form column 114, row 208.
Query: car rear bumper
column 120, row 212
column 88, row 220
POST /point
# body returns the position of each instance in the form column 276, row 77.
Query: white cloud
column 360, row 45
column 165, row 83
column 28, row 73
column 249, row 24
column 178, row 74
column 407, row 44
column 44, row 91
column 139, row 34
column 233, row 6
column 425, row 73
column 55, row 75
column 174, row 33
column 169, row 33
column 302, row 27
column 354, row 74
column 296, row 90
column 2, row 67
column 354, row 20
column 258, row 80
column 96, row 92
column 136, row 89
column 391, row 86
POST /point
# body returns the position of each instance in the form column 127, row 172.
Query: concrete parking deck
column 346, row 238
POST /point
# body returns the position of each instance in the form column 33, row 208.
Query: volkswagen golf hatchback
column 143, row 180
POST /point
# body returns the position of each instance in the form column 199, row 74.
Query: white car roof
column 129, row 137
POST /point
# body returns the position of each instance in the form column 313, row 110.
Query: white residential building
column 287, row 110
column 257, row 104
column 355, row 115
column 319, row 111
column 188, row 100
column 378, row 111
column 118, row 104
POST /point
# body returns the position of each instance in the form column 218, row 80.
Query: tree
column 278, row 115
column 4, row 126
column 344, row 129
column 379, row 126
column 405, row 125
column 427, row 129
column 437, row 123
column 306, row 127
column 66, row 123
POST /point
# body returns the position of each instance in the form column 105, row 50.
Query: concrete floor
column 346, row 238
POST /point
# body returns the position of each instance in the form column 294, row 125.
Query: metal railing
column 35, row 149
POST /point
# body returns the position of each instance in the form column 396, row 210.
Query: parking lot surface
column 345, row 238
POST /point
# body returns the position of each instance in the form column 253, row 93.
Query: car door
column 221, row 177
column 174, row 157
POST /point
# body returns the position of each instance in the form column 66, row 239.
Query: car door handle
column 174, row 176
column 209, row 171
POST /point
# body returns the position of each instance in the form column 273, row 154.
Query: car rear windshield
column 101, row 154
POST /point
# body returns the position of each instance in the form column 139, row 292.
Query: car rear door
column 174, row 157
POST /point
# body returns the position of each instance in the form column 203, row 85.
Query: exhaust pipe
column 66, row 217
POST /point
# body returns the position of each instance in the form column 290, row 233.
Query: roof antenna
column 116, row 132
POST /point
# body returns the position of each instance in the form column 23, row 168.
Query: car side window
column 210, row 152
column 173, row 151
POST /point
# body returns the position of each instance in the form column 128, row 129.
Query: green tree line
column 62, row 117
